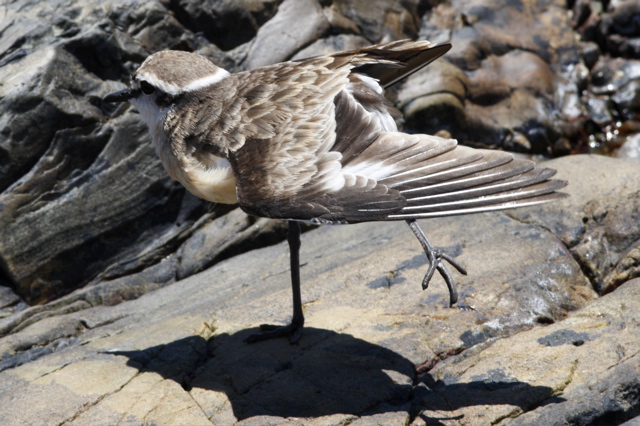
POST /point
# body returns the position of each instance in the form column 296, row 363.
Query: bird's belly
column 217, row 185
column 213, row 181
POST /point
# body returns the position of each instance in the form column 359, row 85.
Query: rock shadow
column 327, row 373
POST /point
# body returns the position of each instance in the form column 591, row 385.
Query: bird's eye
column 146, row 88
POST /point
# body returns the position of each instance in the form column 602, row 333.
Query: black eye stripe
column 164, row 100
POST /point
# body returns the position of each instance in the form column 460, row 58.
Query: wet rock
column 508, row 77
column 590, row 53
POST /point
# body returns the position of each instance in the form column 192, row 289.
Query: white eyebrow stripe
column 209, row 80
column 173, row 90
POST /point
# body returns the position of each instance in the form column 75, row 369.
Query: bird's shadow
column 327, row 373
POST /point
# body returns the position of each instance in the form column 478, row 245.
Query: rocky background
column 93, row 232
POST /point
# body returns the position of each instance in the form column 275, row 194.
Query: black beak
column 122, row 95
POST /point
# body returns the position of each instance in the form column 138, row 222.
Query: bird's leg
column 297, row 322
column 435, row 257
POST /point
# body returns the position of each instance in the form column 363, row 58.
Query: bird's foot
column 270, row 331
column 436, row 258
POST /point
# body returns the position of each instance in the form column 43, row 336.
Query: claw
column 436, row 258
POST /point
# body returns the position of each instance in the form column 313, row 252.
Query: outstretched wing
column 320, row 143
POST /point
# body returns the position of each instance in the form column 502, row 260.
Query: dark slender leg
column 436, row 257
column 295, row 328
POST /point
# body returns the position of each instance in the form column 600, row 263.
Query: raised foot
column 436, row 258
column 269, row 331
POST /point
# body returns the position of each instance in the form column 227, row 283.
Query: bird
column 316, row 140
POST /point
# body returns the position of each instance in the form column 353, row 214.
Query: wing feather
column 320, row 144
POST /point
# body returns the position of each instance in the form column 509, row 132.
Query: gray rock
column 226, row 23
column 525, row 381
column 599, row 222
column 630, row 150
column 83, row 201
column 377, row 349
column 282, row 36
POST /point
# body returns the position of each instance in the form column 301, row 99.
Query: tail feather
column 391, row 62
column 503, row 197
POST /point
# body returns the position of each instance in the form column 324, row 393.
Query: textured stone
column 377, row 349
column 535, row 382
column 599, row 222
column 507, row 80
column 281, row 37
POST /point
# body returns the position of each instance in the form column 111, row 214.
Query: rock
column 282, row 36
column 84, row 201
column 35, row 106
column 547, row 375
column 227, row 24
column 217, row 240
column 508, row 77
column 177, row 355
column 599, row 222
column 630, row 150
column 145, row 294
column 379, row 20
column 60, row 57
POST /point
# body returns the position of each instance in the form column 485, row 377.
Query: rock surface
column 141, row 296
column 520, row 347
column 85, row 201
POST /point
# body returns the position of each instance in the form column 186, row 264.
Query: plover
column 316, row 140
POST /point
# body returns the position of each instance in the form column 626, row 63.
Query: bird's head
column 162, row 78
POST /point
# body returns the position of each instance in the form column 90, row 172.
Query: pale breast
column 217, row 184
column 212, row 180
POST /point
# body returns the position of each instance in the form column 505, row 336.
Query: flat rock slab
column 529, row 340
column 586, row 367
